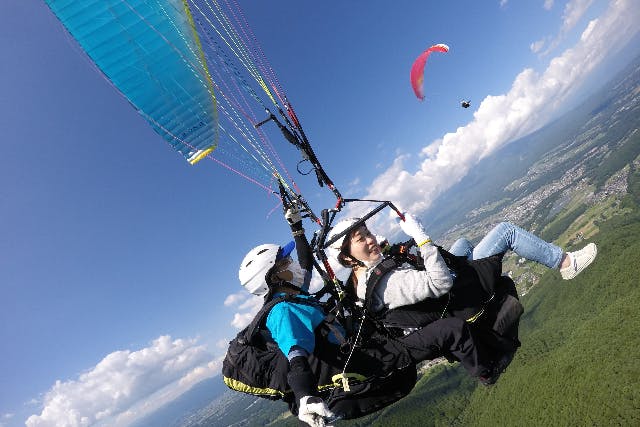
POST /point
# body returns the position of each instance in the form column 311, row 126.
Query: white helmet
column 258, row 262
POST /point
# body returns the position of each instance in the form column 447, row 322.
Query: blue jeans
column 506, row 236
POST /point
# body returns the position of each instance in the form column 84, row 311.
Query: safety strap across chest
column 378, row 272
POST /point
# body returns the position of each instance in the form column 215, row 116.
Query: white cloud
column 431, row 150
column 200, row 373
column 252, row 303
column 529, row 104
column 548, row 4
column 167, row 394
column 222, row 344
column 537, row 46
column 126, row 385
column 240, row 320
column 248, row 310
column 247, row 306
column 573, row 11
column 235, row 299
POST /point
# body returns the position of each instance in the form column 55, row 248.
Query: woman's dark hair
column 344, row 257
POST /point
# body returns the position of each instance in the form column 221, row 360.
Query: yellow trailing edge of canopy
column 199, row 155
column 203, row 62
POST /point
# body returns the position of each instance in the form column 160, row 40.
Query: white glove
column 292, row 215
column 313, row 411
column 412, row 227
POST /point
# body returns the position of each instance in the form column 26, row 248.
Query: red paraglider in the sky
column 417, row 69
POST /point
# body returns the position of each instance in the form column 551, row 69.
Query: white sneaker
column 579, row 261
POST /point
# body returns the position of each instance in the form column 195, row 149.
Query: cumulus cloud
column 248, row 307
column 200, row 373
column 537, row 46
column 222, row 344
column 529, row 104
column 235, row 299
column 126, row 385
column 247, row 304
column 573, row 11
column 548, row 4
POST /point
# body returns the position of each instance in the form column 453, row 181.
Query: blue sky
column 118, row 260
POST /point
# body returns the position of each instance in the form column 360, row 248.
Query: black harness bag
column 354, row 378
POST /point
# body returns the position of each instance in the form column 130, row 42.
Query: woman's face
column 363, row 246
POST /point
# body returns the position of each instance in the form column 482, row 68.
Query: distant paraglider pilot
column 465, row 103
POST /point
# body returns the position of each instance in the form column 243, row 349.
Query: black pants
column 449, row 336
